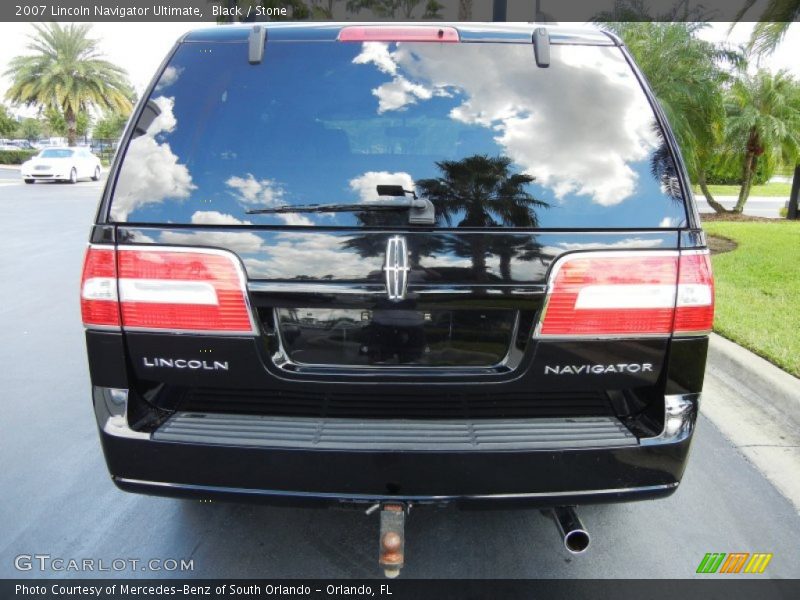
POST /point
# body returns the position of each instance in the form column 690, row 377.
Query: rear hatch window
column 491, row 139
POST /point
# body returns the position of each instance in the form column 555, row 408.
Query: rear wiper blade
column 421, row 211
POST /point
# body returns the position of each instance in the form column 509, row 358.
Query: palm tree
column 67, row 73
column 763, row 124
column 687, row 76
column 372, row 244
column 773, row 23
column 487, row 194
column 482, row 192
column 638, row 11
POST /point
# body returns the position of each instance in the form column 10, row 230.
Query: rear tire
column 29, row 181
column 96, row 176
column 73, row 176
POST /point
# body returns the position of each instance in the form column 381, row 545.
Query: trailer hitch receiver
column 392, row 540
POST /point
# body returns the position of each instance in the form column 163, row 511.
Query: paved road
column 8, row 177
column 57, row 498
column 757, row 206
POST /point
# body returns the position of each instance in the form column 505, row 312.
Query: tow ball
column 392, row 539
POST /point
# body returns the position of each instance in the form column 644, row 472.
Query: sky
column 139, row 48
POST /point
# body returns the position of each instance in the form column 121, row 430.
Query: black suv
column 398, row 265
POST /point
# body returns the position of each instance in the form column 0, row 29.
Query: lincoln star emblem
column 396, row 268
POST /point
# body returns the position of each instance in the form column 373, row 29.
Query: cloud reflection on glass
column 231, row 136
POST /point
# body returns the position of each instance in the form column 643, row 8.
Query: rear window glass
column 491, row 139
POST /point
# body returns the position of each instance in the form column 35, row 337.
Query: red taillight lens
column 383, row 33
column 597, row 294
column 694, row 310
column 192, row 290
column 99, row 307
column 172, row 289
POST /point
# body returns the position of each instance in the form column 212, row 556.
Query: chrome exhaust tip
column 576, row 537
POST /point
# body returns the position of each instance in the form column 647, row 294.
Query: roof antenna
column 541, row 47
column 258, row 35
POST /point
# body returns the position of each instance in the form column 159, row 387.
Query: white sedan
column 62, row 164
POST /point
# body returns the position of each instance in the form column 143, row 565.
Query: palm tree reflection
column 483, row 192
column 479, row 192
column 662, row 167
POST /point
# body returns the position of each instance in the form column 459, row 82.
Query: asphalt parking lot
column 57, row 498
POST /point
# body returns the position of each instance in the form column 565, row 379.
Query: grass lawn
column 758, row 289
column 781, row 190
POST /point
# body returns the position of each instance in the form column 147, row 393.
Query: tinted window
column 490, row 138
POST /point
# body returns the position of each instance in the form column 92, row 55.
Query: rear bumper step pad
column 388, row 435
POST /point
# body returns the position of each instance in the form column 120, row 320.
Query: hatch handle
column 541, row 47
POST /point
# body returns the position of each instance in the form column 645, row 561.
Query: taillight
column 99, row 307
column 615, row 294
column 694, row 310
column 388, row 33
column 180, row 289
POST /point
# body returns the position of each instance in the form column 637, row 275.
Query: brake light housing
column 694, row 310
column 629, row 294
column 165, row 288
column 389, row 33
column 99, row 301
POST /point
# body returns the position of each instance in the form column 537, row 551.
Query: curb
column 756, row 378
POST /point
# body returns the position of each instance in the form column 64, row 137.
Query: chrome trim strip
column 111, row 412
column 367, row 497
column 102, row 328
column 316, row 288
column 699, row 333
column 204, row 332
column 355, row 289
column 494, row 289
column 282, row 360
column 680, row 415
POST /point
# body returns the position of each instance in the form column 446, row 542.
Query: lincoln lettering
column 184, row 363
column 598, row 369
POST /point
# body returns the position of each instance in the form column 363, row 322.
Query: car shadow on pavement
column 247, row 540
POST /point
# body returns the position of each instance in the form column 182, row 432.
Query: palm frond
column 773, row 23
column 66, row 71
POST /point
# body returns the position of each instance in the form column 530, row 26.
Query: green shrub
column 16, row 157
column 783, row 211
column 721, row 173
